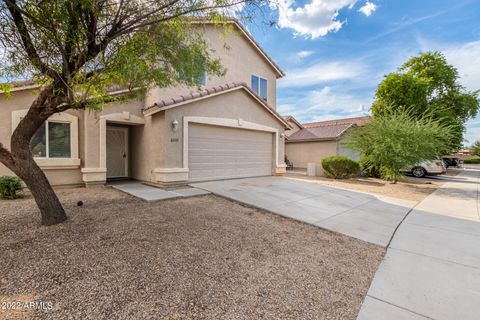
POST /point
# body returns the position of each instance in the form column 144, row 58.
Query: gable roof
column 292, row 118
column 320, row 133
column 251, row 39
column 359, row 121
column 169, row 103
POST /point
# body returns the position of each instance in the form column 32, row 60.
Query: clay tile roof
column 212, row 91
column 326, row 132
column 359, row 121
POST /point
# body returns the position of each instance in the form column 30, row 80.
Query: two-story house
column 228, row 129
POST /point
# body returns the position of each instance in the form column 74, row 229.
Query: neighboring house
column 311, row 142
column 294, row 125
column 227, row 129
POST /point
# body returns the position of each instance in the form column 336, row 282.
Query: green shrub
column 476, row 160
column 369, row 169
column 9, row 187
column 339, row 167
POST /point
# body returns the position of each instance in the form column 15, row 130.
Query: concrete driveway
column 359, row 215
column 432, row 267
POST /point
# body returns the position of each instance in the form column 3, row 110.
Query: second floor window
column 203, row 78
column 259, row 86
column 187, row 74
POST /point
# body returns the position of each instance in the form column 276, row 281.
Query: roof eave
column 312, row 140
column 296, row 122
column 155, row 108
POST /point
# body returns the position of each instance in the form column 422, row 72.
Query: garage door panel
column 223, row 153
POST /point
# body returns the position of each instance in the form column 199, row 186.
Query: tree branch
column 131, row 27
column 6, row 157
column 27, row 42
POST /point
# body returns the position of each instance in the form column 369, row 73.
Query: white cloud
column 321, row 73
column 332, row 101
column 466, row 58
column 299, row 56
column 304, row 54
column 327, row 103
column 315, row 19
column 368, row 8
column 286, row 108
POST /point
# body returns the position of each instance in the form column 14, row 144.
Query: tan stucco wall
column 347, row 152
column 237, row 55
column 21, row 100
column 233, row 105
column 151, row 145
column 301, row 153
column 147, row 148
column 92, row 129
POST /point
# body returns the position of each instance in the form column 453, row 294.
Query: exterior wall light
column 174, row 125
column 282, row 135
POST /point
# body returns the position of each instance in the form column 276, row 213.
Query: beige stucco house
column 229, row 128
column 311, row 142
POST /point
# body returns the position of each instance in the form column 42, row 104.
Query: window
column 259, row 86
column 55, row 144
column 202, row 78
column 52, row 140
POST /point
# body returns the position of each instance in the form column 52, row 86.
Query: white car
column 427, row 167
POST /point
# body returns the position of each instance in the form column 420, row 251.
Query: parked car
column 452, row 161
column 427, row 167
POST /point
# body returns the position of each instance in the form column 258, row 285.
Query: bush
column 339, row 167
column 399, row 140
column 9, row 187
column 477, row 160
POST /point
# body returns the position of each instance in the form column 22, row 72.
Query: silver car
column 427, row 167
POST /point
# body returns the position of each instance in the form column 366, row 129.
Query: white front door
column 117, row 152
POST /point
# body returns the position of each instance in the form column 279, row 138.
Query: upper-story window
column 203, row 78
column 52, row 140
column 186, row 74
column 259, row 86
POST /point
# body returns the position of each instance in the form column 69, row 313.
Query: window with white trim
column 259, row 86
column 52, row 140
column 55, row 144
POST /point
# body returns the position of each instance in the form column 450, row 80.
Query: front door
column 117, row 152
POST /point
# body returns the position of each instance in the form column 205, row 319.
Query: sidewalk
column 432, row 266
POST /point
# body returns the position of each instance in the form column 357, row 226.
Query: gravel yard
column 411, row 188
column 194, row 258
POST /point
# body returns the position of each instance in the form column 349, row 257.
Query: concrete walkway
column 432, row 267
column 149, row 193
column 355, row 214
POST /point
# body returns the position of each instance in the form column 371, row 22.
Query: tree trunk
column 20, row 160
column 394, row 181
column 47, row 201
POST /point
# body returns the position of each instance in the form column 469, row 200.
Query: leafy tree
column 398, row 140
column 427, row 84
column 78, row 50
column 476, row 148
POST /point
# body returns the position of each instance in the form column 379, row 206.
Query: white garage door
column 224, row 153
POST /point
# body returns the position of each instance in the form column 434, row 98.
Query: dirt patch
column 195, row 258
column 413, row 189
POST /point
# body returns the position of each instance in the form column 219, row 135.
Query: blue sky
column 335, row 52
